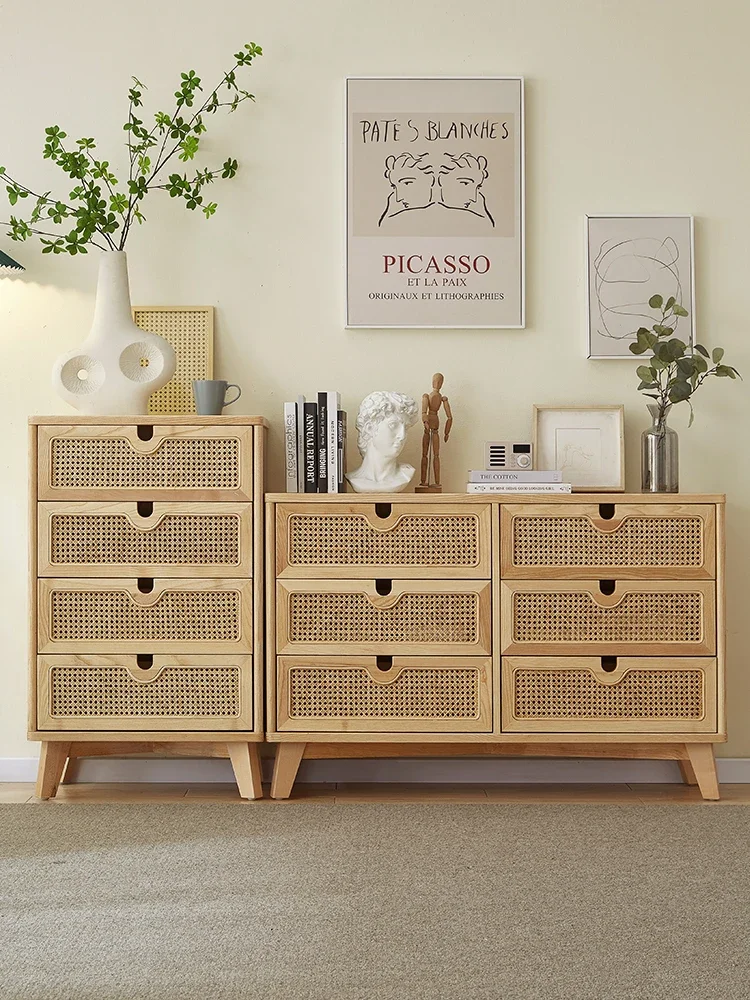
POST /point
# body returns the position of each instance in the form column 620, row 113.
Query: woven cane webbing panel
column 320, row 693
column 177, row 539
column 576, row 694
column 415, row 540
column 178, row 463
column 638, row 541
column 576, row 617
column 177, row 692
column 190, row 332
column 414, row 618
column 176, row 615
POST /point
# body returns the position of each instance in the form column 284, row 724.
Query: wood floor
column 335, row 794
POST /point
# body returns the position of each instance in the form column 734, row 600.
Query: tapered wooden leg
column 704, row 765
column 286, row 765
column 687, row 772
column 246, row 764
column 51, row 763
column 70, row 771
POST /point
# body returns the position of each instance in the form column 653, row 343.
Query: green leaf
column 701, row 350
column 644, row 372
column 637, row 348
column 724, row 371
column 700, row 364
column 717, row 354
column 679, row 391
column 686, row 365
column 670, row 302
column 679, row 311
column 656, row 301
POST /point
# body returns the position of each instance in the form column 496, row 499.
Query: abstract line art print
column 629, row 259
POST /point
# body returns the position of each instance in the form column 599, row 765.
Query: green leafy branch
column 99, row 208
column 675, row 371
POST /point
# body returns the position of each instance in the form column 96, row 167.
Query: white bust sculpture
column 382, row 423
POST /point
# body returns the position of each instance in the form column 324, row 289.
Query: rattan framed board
column 190, row 331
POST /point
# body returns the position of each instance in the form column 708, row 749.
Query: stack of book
column 516, row 481
column 315, row 445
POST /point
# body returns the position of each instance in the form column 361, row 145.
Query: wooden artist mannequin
column 431, row 404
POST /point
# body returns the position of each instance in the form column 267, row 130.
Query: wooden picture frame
column 572, row 440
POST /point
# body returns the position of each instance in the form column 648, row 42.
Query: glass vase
column 659, row 454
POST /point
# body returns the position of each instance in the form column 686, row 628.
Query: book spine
column 511, row 476
column 290, row 446
column 300, row 444
column 341, row 449
column 519, row 488
column 311, row 447
column 332, row 407
column 322, row 451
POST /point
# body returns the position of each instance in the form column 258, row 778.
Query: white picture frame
column 585, row 443
column 629, row 258
column 376, row 297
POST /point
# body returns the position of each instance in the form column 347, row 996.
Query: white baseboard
column 456, row 770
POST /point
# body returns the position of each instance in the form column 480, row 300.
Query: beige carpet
column 374, row 902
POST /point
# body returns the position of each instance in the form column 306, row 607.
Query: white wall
column 632, row 106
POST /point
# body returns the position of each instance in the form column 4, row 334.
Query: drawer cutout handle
column 145, row 508
column 145, row 432
column 607, row 587
column 383, row 510
column 384, row 587
column 609, row 664
column 606, row 511
column 145, row 661
column 384, row 662
column 145, row 584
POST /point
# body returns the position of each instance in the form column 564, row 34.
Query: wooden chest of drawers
column 580, row 625
column 147, row 589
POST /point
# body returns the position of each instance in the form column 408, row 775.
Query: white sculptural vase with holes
column 118, row 366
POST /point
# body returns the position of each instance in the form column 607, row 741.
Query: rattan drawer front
column 411, row 695
column 575, row 694
column 100, row 693
column 160, row 539
column 648, row 618
column 619, row 541
column 113, row 616
column 368, row 540
column 417, row 616
column 176, row 463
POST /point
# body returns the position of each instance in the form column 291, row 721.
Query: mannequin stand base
column 428, row 489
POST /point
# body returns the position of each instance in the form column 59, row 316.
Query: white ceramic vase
column 118, row 365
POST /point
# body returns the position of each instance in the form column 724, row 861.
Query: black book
column 322, row 452
column 341, row 448
column 311, row 447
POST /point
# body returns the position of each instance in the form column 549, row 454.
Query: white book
column 290, row 447
column 333, row 405
column 300, row 444
column 519, row 488
column 514, row 476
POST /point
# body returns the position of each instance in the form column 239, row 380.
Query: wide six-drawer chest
column 578, row 625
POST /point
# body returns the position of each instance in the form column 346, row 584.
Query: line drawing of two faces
column 421, row 182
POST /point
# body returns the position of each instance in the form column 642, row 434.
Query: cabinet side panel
column 32, row 529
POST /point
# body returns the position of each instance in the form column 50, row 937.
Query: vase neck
column 112, row 290
column 658, row 414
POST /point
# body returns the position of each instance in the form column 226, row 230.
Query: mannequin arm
column 449, row 415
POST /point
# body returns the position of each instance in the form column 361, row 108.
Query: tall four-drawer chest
column 147, row 590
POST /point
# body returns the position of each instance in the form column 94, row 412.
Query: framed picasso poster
column 435, row 210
